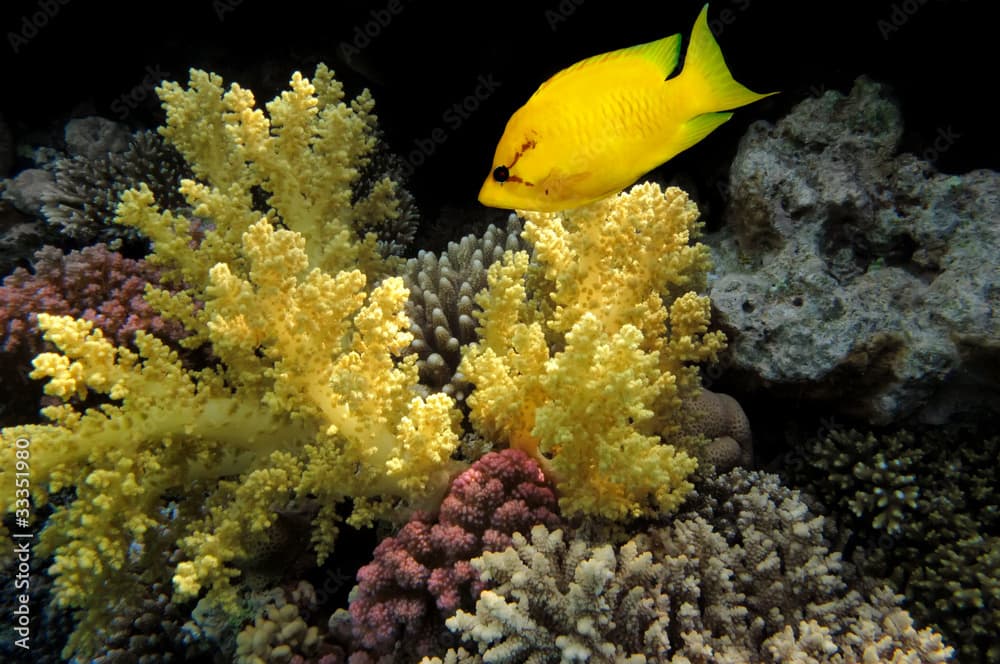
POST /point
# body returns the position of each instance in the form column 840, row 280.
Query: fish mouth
column 489, row 196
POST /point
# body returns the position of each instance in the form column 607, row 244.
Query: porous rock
column 856, row 277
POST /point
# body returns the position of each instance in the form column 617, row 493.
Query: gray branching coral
column 442, row 302
column 742, row 575
column 87, row 190
column 395, row 234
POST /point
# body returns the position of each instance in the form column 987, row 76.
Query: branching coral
column 95, row 284
column 280, row 632
column 592, row 371
column 310, row 397
column 273, row 263
column 87, row 189
column 422, row 575
column 442, row 304
column 743, row 574
column 923, row 510
column 306, row 154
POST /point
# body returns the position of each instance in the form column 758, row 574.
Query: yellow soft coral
column 306, row 153
column 307, row 399
column 591, row 372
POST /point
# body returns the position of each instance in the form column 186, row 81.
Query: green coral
column 924, row 510
column 875, row 479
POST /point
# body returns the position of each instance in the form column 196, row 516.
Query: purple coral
column 422, row 575
column 96, row 284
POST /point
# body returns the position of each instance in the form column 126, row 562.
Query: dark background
column 86, row 57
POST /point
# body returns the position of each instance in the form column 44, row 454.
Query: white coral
column 743, row 575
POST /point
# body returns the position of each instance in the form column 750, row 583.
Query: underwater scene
column 393, row 331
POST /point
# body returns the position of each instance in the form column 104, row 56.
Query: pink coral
column 422, row 575
column 95, row 283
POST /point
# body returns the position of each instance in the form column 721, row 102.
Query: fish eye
column 500, row 174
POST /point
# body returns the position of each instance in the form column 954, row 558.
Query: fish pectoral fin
column 558, row 183
column 695, row 129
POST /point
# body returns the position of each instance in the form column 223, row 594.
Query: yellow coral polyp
column 600, row 403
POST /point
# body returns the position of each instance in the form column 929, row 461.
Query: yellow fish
column 597, row 126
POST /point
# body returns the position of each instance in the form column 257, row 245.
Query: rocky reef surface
column 856, row 277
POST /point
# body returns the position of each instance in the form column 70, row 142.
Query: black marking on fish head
column 502, row 173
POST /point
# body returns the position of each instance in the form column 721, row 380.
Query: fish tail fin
column 697, row 128
column 705, row 80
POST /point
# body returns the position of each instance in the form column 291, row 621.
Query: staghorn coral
column 591, row 373
column 442, row 306
column 875, row 480
column 309, row 398
column 88, row 188
column 585, row 602
column 742, row 574
column 922, row 510
column 957, row 589
column 422, row 575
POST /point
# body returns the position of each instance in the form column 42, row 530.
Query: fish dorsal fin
column 663, row 54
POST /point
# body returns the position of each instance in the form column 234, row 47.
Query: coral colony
column 522, row 417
